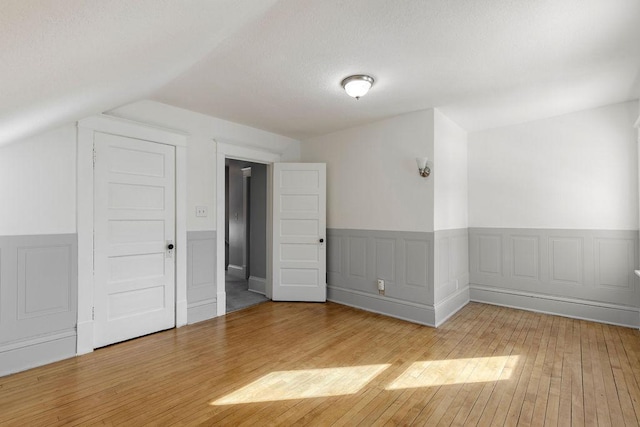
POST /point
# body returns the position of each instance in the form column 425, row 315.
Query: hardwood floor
column 327, row 364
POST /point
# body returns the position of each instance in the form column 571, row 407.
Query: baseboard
column 236, row 271
column 27, row 354
column 404, row 310
column 451, row 305
column 221, row 303
column 85, row 337
column 201, row 310
column 568, row 307
column 182, row 313
column 258, row 285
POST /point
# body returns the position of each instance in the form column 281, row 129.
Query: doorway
column 246, row 234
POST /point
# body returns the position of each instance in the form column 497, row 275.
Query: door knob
column 321, row 240
column 170, row 246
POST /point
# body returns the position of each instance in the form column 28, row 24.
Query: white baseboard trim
column 451, row 305
column 85, row 337
column 237, row 271
column 182, row 313
column 561, row 306
column 258, row 285
column 27, row 354
column 201, row 310
column 404, row 310
column 221, row 303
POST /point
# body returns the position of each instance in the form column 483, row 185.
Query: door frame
column 85, row 215
column 246, row 229
column 233, row 151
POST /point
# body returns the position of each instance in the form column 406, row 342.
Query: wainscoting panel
column 404, row 260
column 38, row 300
column 451, row 291
column 201, row 275
column 579, row 273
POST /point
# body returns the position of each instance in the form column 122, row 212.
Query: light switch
column 201, row 211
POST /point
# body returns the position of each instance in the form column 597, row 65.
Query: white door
column 134, row 214
column 299, row 227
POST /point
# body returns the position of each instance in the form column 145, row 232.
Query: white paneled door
column 299, row 232
column 134, row 257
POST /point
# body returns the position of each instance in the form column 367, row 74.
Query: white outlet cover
column 201, row 211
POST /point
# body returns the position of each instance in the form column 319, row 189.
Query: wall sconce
column 423, row 169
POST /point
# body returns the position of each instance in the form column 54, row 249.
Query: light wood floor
column 326, row 364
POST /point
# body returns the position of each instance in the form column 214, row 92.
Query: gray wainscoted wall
column 201, row 275
column 405, row 260
column 587, row 274
column 451, row 272
column 38, row 300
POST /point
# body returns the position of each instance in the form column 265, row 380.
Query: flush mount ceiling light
column 358, row 85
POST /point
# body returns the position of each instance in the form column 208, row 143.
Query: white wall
column 576, row 171
column 203, row 130
column 372, row 179
column 449, row 174
column 38, row 184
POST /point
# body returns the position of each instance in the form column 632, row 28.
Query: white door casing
column 299, row 232
column 134, row 222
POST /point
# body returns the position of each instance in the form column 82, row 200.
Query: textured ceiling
column 483, row 63
column 65, row 59
column 277, row 65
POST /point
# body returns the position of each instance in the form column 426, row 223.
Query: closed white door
column 134, row 212
column 299, row 230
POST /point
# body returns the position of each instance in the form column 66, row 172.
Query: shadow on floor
column 238, row 294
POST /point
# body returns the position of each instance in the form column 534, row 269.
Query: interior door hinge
column 94, row 156
column 93, row 313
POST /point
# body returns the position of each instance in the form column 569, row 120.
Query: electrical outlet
column 381, row 286
column 201, row 211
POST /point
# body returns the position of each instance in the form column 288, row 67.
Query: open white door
column 134, row 269
column 299, row 230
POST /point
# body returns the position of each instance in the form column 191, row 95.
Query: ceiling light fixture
column 358, row 85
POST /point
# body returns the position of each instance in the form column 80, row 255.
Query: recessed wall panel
column 565, row 259
column 44, row 280
column 358, row 256
column 443, row 262
column 334, row 254
column 417, row 263
column 525, row 257
column 490, row 254
column 385, row 259
column 614, row 263
column 459, row 255
column 203, row 262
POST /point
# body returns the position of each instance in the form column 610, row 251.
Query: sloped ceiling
column 66, row 59
column 277, row 65
column 484, row 63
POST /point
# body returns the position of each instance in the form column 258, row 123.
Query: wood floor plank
column 327, row 364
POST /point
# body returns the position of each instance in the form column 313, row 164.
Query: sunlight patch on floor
column 432, row 373
column 304, row 384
